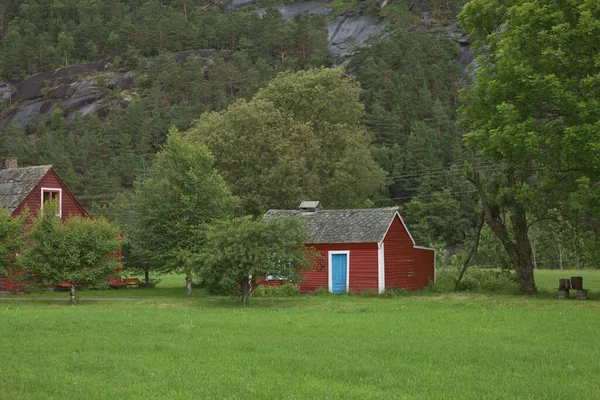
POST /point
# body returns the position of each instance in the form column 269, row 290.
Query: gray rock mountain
column 75, row 89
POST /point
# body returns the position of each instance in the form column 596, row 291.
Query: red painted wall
column 70, row 206
column 400, row 271
column 363, row 267
column 425, row 266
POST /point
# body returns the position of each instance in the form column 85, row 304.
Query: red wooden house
column 361, row 249
column 30, row 187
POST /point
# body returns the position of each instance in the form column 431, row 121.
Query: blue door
column 339, row 264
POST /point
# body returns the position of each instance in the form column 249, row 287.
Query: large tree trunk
column 247, row 291
column 188, row 284
column 73, row 297
column 480, row 223
column 519, row 249
column 524, row 254
column 147, row 277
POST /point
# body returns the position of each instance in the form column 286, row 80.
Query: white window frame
column 49, row 189
column 329, row 271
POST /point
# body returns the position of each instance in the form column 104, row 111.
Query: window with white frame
column 52, row 194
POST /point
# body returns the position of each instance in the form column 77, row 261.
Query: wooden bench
column 116, row 283
column 132, row 282
column 66, row 286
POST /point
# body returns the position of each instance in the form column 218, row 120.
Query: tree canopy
column 11, row 239
column 533, row 109
column 300, row 137
column 239, row 253
column 78, row 251
column 173, row 204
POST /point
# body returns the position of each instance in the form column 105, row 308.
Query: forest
column 449, row 145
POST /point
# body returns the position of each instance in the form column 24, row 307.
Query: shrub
column 285, row 290
column 322, row 291
column 477, row 279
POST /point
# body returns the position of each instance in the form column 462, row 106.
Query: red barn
column 361, row 249
column 30, row 187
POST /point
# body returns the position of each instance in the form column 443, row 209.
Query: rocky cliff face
column 76, row 89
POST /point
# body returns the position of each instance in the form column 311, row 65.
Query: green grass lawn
column 464, row 346
column 548, row 279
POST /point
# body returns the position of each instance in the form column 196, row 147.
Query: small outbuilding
column 363, row 249
column 28, row 188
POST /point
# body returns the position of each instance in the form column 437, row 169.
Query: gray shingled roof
column 342, row 226
column 17, row 183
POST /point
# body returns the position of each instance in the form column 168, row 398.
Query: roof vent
column 10, row 162
column 310, row 206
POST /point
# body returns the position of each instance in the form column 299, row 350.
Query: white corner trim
column 380, row 267
column 48, row 189
column 403, row 224
column 331, row 253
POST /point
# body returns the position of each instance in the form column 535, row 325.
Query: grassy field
column 548, row 279
column 463, row 346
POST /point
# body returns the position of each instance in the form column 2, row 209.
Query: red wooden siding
column 70, row 206
column 400, row 271
column 406, row 266
column 424, row 265
column 7, row 284
column 363, row 267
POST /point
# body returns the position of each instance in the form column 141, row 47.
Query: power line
column 447, row 173
column 426, row 195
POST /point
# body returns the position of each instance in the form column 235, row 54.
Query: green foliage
column 300, row 137
column 323, row 291
column 238, row 253
column 35, row 38
column 533, row 110
column 11, row 239
column 99, row 155
column 172, row 206
column 285, row 290
column 410, row 83
column 477, row 280
column 77, row 251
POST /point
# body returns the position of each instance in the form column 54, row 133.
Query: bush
column 322, row 291
column 285, row 290
column 477, row 280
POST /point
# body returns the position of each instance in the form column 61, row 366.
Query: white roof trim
column 403, row 224
column 424, row 248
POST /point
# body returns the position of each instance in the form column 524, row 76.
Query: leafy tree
column 11, row 239
column 173, row 205
column 300, row 137
column 239, row 252
column 533, row 110
column 76, row 251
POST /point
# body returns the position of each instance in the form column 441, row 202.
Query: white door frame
column 330, row 254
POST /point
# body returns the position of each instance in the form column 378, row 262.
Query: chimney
column 10, row 162
column 308, row 207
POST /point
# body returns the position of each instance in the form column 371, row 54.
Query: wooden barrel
column 577, row 282
column 564, row 284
